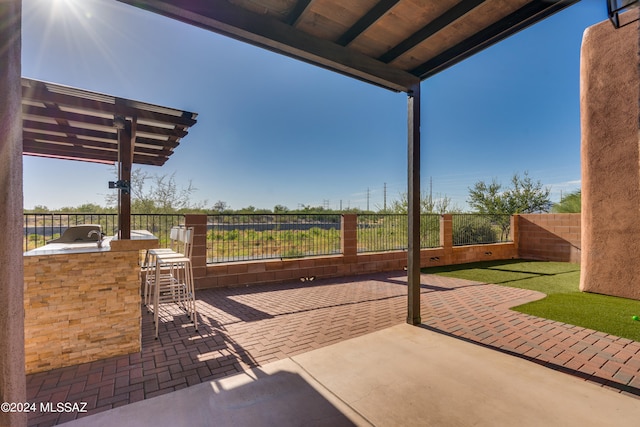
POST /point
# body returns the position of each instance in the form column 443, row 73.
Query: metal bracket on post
column 124, row 186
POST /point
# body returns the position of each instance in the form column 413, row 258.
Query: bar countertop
column 140, row 239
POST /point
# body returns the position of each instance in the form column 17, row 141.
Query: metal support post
column 413, row 262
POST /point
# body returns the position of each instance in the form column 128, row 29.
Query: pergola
column 394, row 44
column 68, row 123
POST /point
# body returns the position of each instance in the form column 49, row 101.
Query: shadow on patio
column 244, row 329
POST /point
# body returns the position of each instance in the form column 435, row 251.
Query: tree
column 38, row 209
column 571, row 203
column 220, row 206
column 524, row 196
column 428, row 205
column 157, row 194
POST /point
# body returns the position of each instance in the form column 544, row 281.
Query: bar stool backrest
column 181, row 240
column 185, row 237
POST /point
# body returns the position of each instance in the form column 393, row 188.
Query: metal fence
column 389, row 232
column 39, row 228
column 476, row 229
column 268, row 236
column 158, row 224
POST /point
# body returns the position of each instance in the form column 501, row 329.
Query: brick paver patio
column 247, row 327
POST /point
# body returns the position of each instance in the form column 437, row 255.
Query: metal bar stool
column 171, row 280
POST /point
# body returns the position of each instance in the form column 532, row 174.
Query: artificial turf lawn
column 564, row 302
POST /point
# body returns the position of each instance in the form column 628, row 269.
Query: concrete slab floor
column 400, row 376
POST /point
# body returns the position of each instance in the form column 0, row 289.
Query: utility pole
column 368, row 199
column 385, row 197
column 430, row 191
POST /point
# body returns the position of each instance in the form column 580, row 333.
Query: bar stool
column 170, row 279
column 178, row 245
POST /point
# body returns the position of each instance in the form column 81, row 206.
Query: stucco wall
column 609, row 97
column 12, row 378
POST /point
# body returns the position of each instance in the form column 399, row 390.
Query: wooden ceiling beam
column 442, row 21
column 297, row 12
column 261, row 30
column 370, row 18
column 511, row 24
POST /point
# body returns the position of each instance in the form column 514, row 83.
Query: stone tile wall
column 80, row 308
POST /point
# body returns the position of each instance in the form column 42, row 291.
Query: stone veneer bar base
column 80, row 308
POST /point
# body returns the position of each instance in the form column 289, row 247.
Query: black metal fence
column 389, row 232
column 475, row 229
column 268, row 236
column 39, row 228
column 158, row 224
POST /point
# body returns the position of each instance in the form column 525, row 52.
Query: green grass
column 564, row 302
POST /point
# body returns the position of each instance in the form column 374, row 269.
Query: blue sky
column 272, row 130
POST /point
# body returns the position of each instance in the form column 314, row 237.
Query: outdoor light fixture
column 124, row 186
column 616, row 7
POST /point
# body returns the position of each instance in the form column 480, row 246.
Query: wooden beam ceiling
column 391, row 43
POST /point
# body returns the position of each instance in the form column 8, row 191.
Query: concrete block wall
column 549, row 237
column 71, row 320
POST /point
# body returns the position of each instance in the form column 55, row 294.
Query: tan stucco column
column 610, row 117
column 12, row 371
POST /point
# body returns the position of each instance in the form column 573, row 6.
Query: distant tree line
column 161, row 194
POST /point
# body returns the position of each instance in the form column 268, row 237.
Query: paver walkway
column 247, row 327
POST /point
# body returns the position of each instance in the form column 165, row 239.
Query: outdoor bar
column 82, row 302
column 82, row 294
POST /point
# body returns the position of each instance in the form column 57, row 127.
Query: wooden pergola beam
column 38, row 92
